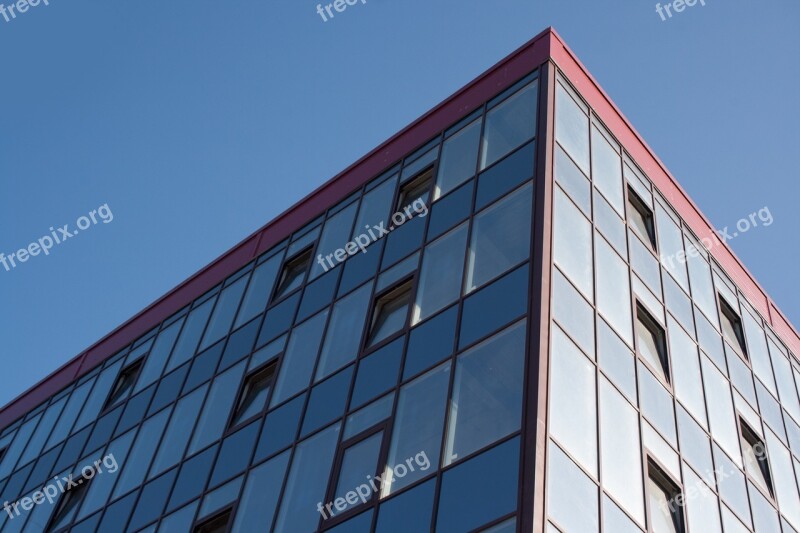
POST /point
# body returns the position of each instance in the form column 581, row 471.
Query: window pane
column 327, row 401
column 571, row 495
column 391, row 313
column 375, row 207
column 656, row 404
column 133, row 471
column 670, row 242
column 607, row 170
column 659, row 503
column 218, row 406
column 254, row 396
column 179, row 430
column 688, row 382
column 308, row 479
column 572, row 128
column 260, row 496
column 616, row 360
column 259, row 290
column 501, row 237
column 298, row 360
column 757, row 349
column 573, row 313
column 486, row 403
column 785, row 486
column 720, row 411
column 572, row 243
column 650, row 343
column 222, row 319
column 410, row 511
column 368, row 416
column 418, row 425
column 569, row 176
column 509, row 124
column 157, row 359
column 702, row 288
column 190, row 335
column 573, row 408
column 613, row 289
column 334, row 236
column 360, row 460
column 621, row 450
column 344, row 331
column 377, row 373
column 431, row 342
column 459, row 158
column 440, row 275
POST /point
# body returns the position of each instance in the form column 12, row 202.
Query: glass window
column 343, row 338
column 298, row 361
column 480, row 490
column 397, row 272
column 215, row 414
column 449, row 211
column 572, row 243
column 294, row 270
column 500, row 237
column 614, row 520
column 377, row 373
column 507, row 298
column 234, row 454
column 369, row 416
column 695, row 446
column 390, row 314
column 190, row 335
column 222, row 319
column 666, row 512
column 403, row 241
column 754, row 454
column 509, row 124
column 486, row 403
column 278, row 319
column 758, row 352
column 100, row 488
column 506, row 175
column 656, row 404
column 573, row 408
column 258, row 291
column 732, row 327
column 418, row 426
column 702, row 288
column 375, row 207
column 335, row 235
column 159, row 355
column 218, row 524
column 359, row 463
column 152, row 500
column 327, row 401
column 430, row 342
column 616, row 360
column 307, row 482
column 573, row 313
column 570, row 177
column 409, row 511
column 784, row 484
column 204, row 366
column 320, row 292
column 441, row 273
column 459, row 159
column 260, row 497
column 68, row 505
column 572, row 128
column 613, row 289
column 620, row 450
column 721, row 416
column 124, row 385
column 133, row 471
column 416, row 191
column 678, row 304
column 640, row 218
column 253, row 397
column 670, row 242
column 240, row 344
column 651, row 342
column 607, row 170
column 280, row 428
column 686, row 375
column 610, row 225
column 571, row 495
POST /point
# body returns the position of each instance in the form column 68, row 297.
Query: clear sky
column 197, row 122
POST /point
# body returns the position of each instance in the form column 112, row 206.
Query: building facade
column 502, row 319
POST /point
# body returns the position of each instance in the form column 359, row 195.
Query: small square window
column 732, row 327
column 391, row 313
column 68, row 504
column 651, row 342
column 124, row 384
column 640, row 218
column 253, row 397
column 754, row 453
column 418, row 189
column 293, row 273
column 217, row 524
column 664, row 502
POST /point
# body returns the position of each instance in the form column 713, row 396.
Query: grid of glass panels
column 295, row 383
column 698, row 433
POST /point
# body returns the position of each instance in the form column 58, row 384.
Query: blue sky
column 197, row 122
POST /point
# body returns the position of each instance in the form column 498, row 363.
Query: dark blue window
column 152, row 501
column 234, row 455
column 377, row 373
column 403, row 240
column 240, row 344
column 410, row 511
column 280, row 428
column 494, row 306
column 318, row 294
column 204, row 366
column 169, row 389
column 192, row 479
column 450, row 210
column 327, row 401
column 135, row 410
column 431, row 342
column 278, row 320
column 505, row 175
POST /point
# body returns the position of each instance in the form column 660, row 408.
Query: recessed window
column 640, row 217
column 418, row 189
column 650, row 342
column 732, row 327
column 68, row 504
column 391, row 313
column 217, row 524
column 359, row 462
column 664, row 502
column 124, row 384
column 253, row 397
column 294, row 270
column 754, row 453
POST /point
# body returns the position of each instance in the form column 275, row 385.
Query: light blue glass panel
column 100, row 489
column 179, row 431
column 702, row 288
column 16, row 449
column 157, row 359
column 721, row 416
column 335, row 235
column 343, row 337
column 670, row 244
column 571, row 495
column 259, row 290
column 459, row 159
column 783, row 479
column 375, row 207
column 686, row 376
column 69, row 414
column 180, row 520
column 572, row 128
column 308, row 479
column 613, row 289
column 218, row 406
column 260, row 497
column 702, row 506
column 607, row 170
column 572, row 243
column 132, row 473
column 441, row 273
column 36, row 443
column 509, row 124
column 222, row 319
column 757, row 350
column 190, row 335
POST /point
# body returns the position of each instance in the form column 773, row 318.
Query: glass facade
column 395, row 390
